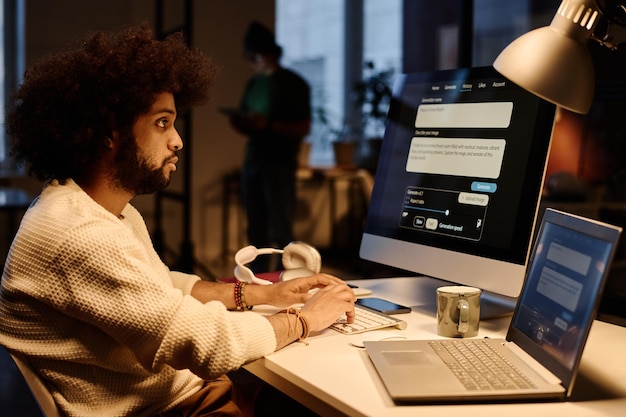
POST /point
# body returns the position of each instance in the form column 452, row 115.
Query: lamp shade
column 553, row 62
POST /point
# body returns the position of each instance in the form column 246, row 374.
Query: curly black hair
column 69, row 103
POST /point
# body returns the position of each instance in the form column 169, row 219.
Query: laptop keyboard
column 478, row 366
column 366, row 320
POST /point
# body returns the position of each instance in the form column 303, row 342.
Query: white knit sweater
column 108, row 327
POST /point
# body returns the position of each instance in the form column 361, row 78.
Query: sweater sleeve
column 183, row 282
column 124, row 296
column 180, row 280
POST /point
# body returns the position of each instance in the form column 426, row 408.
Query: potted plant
column 372, row 96
column 328, row 132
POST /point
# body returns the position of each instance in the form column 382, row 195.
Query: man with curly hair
column 85, row 299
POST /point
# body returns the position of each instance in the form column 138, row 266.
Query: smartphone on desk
column 383, row 306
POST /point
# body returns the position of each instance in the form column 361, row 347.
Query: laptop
column 564, row 280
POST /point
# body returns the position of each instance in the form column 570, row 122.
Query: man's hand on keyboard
column 290, row 292
column 330, row 302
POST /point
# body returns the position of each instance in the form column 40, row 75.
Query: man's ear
column 112, row 140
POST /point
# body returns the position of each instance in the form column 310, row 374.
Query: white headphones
column 299, row 260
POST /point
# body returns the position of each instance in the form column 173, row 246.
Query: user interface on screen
column 562, row 289
column 461, row 167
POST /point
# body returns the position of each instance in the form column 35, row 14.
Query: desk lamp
column 553, row 62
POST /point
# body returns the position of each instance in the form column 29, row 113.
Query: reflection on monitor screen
column 459, row 178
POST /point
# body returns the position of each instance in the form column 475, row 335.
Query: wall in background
column 219, row 26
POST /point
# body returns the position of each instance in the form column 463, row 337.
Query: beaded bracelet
column 302, row 319
column 240, row 301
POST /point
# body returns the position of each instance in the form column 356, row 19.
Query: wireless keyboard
column 365, row 320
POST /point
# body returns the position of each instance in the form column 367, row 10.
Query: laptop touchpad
column 405, row 357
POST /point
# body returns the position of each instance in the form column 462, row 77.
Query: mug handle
column 463, row 307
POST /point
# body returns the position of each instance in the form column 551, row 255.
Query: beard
column 134, row 172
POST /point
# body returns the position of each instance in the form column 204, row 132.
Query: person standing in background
column 275, row 116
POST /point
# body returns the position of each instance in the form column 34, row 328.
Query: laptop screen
column 565, row 277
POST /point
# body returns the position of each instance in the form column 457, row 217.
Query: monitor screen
column 459, row 178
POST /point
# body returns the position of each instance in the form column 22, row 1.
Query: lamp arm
column 610, row 35
column 611, row 28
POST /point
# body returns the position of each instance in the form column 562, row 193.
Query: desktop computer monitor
column 459, row 178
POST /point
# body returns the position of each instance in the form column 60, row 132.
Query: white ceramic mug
column 458, row 311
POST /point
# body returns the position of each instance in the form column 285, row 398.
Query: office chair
column 37, row 388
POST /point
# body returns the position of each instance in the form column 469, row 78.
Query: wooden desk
column 348, row 189
column 341, row 187
column 334, row 378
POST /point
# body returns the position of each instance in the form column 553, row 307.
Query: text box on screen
column 559, row 288
column 464, row 115
column 574, row 260
column 467, row 157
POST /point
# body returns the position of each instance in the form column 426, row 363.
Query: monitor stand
column 495, row 305
column 491, row 305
